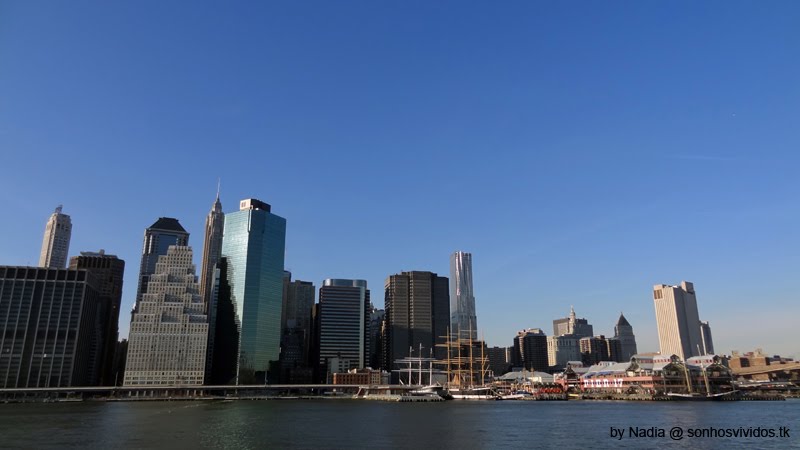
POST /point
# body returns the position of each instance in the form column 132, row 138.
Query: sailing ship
column 467, row 372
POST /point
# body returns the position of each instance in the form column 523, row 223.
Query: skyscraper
column 55, row 245
column 530, row 350
column 50, row 328
column 108, row 270
column 572, row 325
column 705, row 336
column 562, row 349
column 623, row 331
column 678, row 320
column 417, row 308
column 212, row 249
column 298, row 304
column 343, row 317
column 164, row 233
column 168, row 336
column 462, row 300
column 253, row 245
column 376, row 318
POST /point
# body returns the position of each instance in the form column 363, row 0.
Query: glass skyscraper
column 253, row 246
column 463, row 321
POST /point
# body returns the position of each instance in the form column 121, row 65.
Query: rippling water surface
column 359, row 424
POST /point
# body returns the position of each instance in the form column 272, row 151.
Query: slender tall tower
column 212, row 248
column 462, row 300
column 55, row 245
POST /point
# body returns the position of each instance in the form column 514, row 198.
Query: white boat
column 474, row 393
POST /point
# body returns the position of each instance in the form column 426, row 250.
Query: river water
column 368, row 424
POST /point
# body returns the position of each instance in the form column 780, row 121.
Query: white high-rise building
column 678, row 320
column 55, row 245
column 167, row 343
column 462, row 300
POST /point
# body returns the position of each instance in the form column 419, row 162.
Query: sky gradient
column 582, row 151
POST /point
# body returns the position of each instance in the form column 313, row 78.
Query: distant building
column 623, row 332
column 572, row 325
column 462, row 299
column 530, row 350
column 678, row 320
column 158, row 237
column 562, row 349
column 168, row 336
column 376, row 319
column 366, row 376
column 108, row 271
column 417, row 313
column 51, row 328
column 298, row 303
column 594, row 350
column 55, row 245
column 251, row 292
column 499, row 360
column 212, row 249
column 705, row 336
column 344, row 320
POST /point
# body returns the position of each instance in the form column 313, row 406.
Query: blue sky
column 582, row 151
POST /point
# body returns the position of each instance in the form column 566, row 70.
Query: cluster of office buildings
column 244, row 320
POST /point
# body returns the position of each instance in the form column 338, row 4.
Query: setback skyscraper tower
column 253, row 245
column 167, row 344
column 212, row 249
column 462, row 300
column 164, row 233
column 55, row 245
column 623, row 331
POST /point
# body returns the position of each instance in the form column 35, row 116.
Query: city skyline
column 585, row 157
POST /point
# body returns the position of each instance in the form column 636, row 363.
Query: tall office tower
column 253, row 245
column 614, row 349
column 417, row 313
column 55, row 245
column 212, row 249
column 677, row 320
column 530, row 348
column 344, row 320
column 463, row 320
column 623, row 331
column 298, row 303
column 50, row 328
column 164, row 233
column 168, row 336
column 108, row 270
column 376, row 318
column 562, row 349
column 499, row 360
column 705, row 336
column 572, row 325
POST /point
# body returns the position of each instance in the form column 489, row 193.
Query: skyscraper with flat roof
column 50, row 328
column 55, row 245
column 417, row 313
column 678, row 320
column 344, row 320
column 463, row 319
column 158, row 237
column 108, row 270
column 253, row 245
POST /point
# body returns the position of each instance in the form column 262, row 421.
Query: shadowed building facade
column 158, row 237
column 51, row 328
column 417, row 309
column 344, row 321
